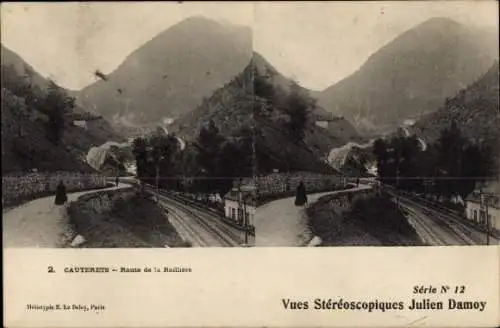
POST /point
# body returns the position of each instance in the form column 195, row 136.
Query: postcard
column 256, row 164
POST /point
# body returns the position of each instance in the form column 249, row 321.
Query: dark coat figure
column 117, row 181
column 301, row 197
column 61, row 196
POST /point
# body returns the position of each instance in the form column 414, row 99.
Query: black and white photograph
column 377, row 123
column 347, row 151
column 131, row 128
column 166, row 125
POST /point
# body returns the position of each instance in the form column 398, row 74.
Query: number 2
column 51, row 269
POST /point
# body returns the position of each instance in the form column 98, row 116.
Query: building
column 483, row 208
column 324, row 119
column 82, row 124
column 240, row 204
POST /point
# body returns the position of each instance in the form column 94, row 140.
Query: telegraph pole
column 484, row 204
column 487, row 225
column 246, row 222
column 397, row 177
column 157, row 182
column 243, row 209
column 487, row 219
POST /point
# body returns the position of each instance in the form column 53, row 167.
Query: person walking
column 301, row 196
column 61, row 196
column 117, row 180
column 61, row 199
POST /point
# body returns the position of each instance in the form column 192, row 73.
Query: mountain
column 475, row 110
column 242, row 105
column 170, row 74
column 9, row 59
column 412, row 75
column 25, row 144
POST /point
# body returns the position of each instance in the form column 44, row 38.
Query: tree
column 471, row 169
column 409, row 171
column 169, row 149
column 235, row 160
column 297, row 106
column 21, row 86
column 382, row 156
column 56, row 105
column 450, row 147
column 209, row 143
column 140, row 152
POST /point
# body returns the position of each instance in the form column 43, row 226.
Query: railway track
column 468, row 234
column 200, row 227
column 428, row 235
column 207, row 222
column 438, row 228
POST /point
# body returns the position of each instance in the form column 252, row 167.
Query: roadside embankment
column 122, row 218
column 20, row 188
column 360, row 220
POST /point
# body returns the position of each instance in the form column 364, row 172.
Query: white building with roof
column 483, row 208
column 240, row 204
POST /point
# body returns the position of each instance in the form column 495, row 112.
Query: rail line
column 227, row 239
column 438, row 228
column 203, row 228
column 461, row 230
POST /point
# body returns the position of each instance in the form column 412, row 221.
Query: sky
column 69, row 41
column 316, row 43
column 319, row 43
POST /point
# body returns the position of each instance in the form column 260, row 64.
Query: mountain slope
column 22, row 69
column 412, row 75
column 241, row 105
column 475, row 109
column 170, row 74
column 25, row 145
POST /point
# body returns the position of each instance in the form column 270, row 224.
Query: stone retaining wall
column 24, row 186
column 280, row 183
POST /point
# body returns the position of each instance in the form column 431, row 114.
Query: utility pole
column 246, row 221
column 484, row 205
column 243, row 209
column 397, row 176
column 157, row 182
column 487, row 225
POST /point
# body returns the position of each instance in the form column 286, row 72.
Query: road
column 281, row 223
column 438, row 228
column 39, row 223
column 200, row 227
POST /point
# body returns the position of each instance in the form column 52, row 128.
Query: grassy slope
column 474, row 109
column 24, row 141
column 373, row 221
column 134, row 221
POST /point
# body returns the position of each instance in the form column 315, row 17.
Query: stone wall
column 280, row 183
column 25, row 186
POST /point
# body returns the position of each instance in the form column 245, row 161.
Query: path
column 281, row 223
column 38, row 223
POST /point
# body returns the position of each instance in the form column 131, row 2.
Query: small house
column 483, row 208
column 240, row 203
column 80, row 123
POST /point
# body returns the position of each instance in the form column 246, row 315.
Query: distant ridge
column 412, row 75
column 170, row 74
